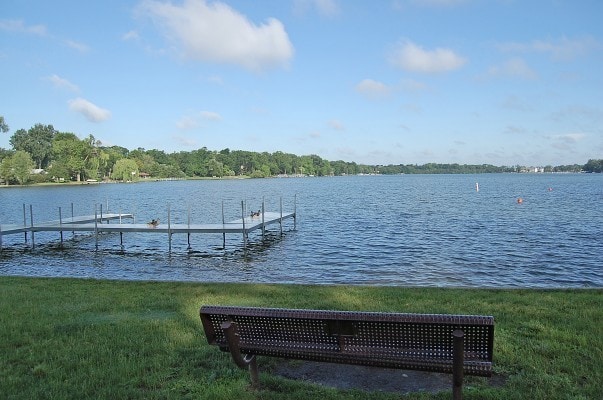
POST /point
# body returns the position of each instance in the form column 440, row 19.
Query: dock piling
column 61, row 225
column 295, row 212
column 96, row 225
column 223, row 222
column 24, row 222
column 33, row 241
column 244, row 231
column 263, row 221
column 169, row 230
column 188, row 234
column 280, row 222
column 72, row 217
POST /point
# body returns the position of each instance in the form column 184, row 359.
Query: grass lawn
column 69, row 338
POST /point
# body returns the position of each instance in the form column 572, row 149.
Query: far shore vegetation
column 42, row 154
column 82, row 338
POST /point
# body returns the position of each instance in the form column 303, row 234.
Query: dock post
column 280, row 221
column 61, row 225
column 96, row 225
column 244, row 230
column 24, row 222
column 295, row 212
column 0, row 237
column 33, row 241
column 263, row 224
column 188, row 234
column 169, row 230
column 72, row 232
column 101, row 213
column 223, row 233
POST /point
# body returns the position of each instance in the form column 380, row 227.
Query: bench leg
column 245, row 362
column 253, row 372
column 458, row 359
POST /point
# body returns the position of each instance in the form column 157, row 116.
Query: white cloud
column 336, row 125
column 62, row 83
column 82, row 48
column 514, row 130
column 412, row 57
column 515, row 67
column 327, row 8
column 215, row 32
column 373, row 89
column 20, row 27
column 186, row 123
column 566, row 141
column 131, row 35
column 185, row 141
column 570, row 138
column 91, row 111
column 563, row 49
column 210, row 116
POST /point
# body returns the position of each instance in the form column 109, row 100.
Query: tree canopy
column 66, row 157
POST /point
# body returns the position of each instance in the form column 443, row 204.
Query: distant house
column 144, row 175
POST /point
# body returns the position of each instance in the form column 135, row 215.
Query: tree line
column 43, row 154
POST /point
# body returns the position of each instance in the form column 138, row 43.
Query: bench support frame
column 250, row 361
column 245, row 362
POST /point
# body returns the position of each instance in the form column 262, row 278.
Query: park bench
column 456, row 344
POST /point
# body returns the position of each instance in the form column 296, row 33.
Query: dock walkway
column 96, row 224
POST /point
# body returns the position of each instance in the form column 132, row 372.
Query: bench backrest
column 394, row 340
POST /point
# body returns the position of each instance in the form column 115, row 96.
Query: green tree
column 3, row 126
column 215, row 168
column 22, row 166
column 69, row 156
column 37, row 141
column 6, row 169
column 594, row 166
column 125, row 169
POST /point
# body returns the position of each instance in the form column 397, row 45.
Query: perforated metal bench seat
column 394, row 340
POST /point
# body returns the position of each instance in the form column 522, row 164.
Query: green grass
column 68, row 338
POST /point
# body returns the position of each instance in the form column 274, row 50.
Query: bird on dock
column 153, row 223
column 256, row 214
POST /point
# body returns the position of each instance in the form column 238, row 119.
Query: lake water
column 405, row 230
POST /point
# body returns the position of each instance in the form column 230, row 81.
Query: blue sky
column 503, row 82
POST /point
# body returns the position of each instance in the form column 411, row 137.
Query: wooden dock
column 105, row 223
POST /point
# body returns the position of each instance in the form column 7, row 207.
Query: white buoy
column 476, row 186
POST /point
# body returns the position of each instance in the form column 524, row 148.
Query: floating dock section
column 106, row 223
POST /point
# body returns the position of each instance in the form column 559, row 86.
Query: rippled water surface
column 411, row 230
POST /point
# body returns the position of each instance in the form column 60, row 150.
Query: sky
column 502, row 82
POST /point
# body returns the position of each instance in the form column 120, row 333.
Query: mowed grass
column 76, row 339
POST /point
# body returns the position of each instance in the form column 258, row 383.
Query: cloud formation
column 19, row 26
column 515, row 67
column 210, row 116
column 215, row 32
column 326, row 8
column 564, row 49
column 62, row 83
column 411, row 57
column 373, row 89
column 92, row 112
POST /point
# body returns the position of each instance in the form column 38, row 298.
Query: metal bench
column 456, row 344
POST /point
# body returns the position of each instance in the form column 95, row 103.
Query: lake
column 404, row 230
